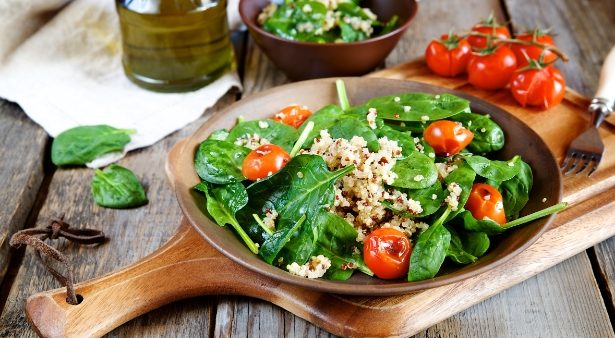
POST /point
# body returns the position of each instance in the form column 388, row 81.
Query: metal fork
column 585, row 151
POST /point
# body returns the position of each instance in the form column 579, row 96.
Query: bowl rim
column 252, row 26
column 337, row 287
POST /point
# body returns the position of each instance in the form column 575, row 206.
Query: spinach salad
column 323, row 21
column 392, row 187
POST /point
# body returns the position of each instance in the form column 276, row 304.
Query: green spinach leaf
column 456, row 250
column 516, row 191
column 499, row 171
column 417, row 171
column 117, row 187
column 220, row 135
column 275, row 132
column 348, row 127
column 430, row 250
column 220, row 162
column 414, row 107
column 324, row 118
column 403, row 139
column 80, row 145
column 426, row 197
column 464, row 175
column 293, row 195
column 488, row 136
column 484, row 225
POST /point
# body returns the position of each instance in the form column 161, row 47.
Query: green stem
column 262, row 224
column 246, row 239
column 240, row 119
column 442, row 218
column 536, row 215
column 341, row 93
column 302, row 138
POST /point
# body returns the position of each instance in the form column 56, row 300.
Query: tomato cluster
column 493, row 60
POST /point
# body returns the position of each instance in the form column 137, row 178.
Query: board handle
column 186, row 266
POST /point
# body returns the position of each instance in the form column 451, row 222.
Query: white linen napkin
column 61, row 62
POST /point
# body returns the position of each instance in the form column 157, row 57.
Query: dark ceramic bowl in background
column 307, row 60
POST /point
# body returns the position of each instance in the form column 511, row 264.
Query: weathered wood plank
column 133, row 234
column 21, row 175
column 605, row 256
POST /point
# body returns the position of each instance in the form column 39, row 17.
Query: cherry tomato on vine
column 446, row 137
column 544, row 87
column 448, row 56
column 492, row 69
column 486, row 201
column 264, row 161
column 533, row 52
column 386, row 252
column 293, row 115
column 490, row 27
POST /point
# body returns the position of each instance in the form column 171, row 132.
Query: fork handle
column 604, row 102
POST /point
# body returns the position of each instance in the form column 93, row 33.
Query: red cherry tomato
column 542, row 88
column 446, row 137
column 264, row 161
column 448, row 56
column 293, row 115
column 387, row 252
column 533, row 52
column 493, row 70
column 486, row 201
column 490, row 27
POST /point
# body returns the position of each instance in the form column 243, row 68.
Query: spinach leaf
column 413, row 127
column 220, row 162
column 293, row 196
column 336, row 239
column 403, row 139
column 117, row 187
column 274, row 243
column 426, row 197
column 390, row 25
column 494, row 170
column 456, row 250
column 417, row 171
column 483, row 225
column 275, row 132
column 430, row 250
column 80, row 145
column 324, row 118
column 223, row 202
column 420, row 104
column 474, row 242
column 516, row 191
column 220, row 135
column 348, row 127
column 464, row 175
column 488, row 136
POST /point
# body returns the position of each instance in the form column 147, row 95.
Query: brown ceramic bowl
column 520, row 139
column 306, row 60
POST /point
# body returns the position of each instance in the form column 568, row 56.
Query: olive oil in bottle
column 174, row 45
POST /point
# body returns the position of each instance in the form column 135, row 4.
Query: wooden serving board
column 187, row 266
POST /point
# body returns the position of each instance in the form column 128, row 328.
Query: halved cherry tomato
column 386, row 252
column 492, row 69
column 533, row 52
column 446, row 137
column 293, row 115
column 448, row 56
column 486, row 201
column 490, row 27
column 264, row 161
column 542, row 88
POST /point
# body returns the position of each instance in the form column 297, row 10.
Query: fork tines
column 583, row 160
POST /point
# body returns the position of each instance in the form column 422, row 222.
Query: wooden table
column 573, row 299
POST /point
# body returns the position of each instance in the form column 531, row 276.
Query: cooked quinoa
column 316, row 267
column 359, row 195
column 251, row 141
